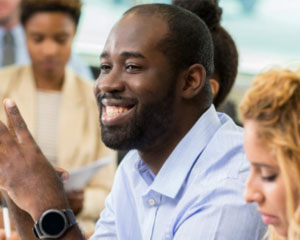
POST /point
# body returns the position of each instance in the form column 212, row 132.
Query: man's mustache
column 110, row 96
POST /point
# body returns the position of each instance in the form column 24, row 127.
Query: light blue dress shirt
column 22, row 56
column 197, row 194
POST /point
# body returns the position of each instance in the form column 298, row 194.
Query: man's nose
column 110, row 82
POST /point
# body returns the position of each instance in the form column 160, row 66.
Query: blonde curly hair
column 273, row 102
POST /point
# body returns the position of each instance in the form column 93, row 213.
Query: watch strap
column 70, row 217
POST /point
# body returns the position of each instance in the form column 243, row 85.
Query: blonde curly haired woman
column 271, row 114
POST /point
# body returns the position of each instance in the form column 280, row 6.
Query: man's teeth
column 113, row 111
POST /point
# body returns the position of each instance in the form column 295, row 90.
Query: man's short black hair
column 187, row 42
column 31, row 7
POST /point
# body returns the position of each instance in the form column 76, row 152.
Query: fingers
column 14, row 235
column 76, row 195
column 16, row 123
column 75, row 199
column 2, row 234
column 62, row 173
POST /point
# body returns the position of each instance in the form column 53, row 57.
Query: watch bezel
column 42, row 218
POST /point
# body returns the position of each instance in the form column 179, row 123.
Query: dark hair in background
column 225, row 51
column 31, row 7
column 187, row 42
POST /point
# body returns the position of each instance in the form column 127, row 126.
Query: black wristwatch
column 54, row 223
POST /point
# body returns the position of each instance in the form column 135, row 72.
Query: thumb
column 2, row 234
column 62, row 173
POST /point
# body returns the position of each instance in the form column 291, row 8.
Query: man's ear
column 193, row 81
column 215, row 86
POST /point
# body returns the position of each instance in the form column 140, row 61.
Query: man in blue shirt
column 186, row 177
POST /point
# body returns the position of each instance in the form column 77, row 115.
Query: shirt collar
column 173, row 173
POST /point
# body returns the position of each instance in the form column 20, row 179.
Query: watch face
column 53, row 223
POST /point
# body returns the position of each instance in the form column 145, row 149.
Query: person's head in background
column 50, row 27
column 225, row 51
column 271, row 114
column 9, row 13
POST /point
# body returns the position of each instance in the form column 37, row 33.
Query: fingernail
column 9, row 103
column 65, row 176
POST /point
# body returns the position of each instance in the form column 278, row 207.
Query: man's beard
column 151, row 122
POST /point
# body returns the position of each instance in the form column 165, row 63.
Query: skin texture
column 49, row 40
column 265, row 184
column 9, row 13
column 75, row 200
column 215, row 87
column 137, row 77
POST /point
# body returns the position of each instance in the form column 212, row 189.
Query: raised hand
column 29, row 179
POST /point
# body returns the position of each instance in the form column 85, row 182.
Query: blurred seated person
column 13, row 48
column 271, row 114
column 58, row 105
column 225, row 50
column 225, row 53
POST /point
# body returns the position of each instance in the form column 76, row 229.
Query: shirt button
column 151, row 202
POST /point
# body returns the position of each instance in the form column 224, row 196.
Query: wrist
column 37, row 205
column 54, row 223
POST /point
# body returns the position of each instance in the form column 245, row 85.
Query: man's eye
column 133, row 68
column 270, row 178
column 104, row 68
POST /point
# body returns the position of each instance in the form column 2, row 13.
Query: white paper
column 80, row 177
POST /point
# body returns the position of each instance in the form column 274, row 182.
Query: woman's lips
column 268, row 219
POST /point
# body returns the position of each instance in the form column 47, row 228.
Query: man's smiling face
column 136, row 87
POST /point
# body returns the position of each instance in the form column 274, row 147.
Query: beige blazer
column 79, row 141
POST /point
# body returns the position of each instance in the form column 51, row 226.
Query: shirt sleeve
column 222, row 215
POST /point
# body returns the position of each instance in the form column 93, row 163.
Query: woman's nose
column 252, row 192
